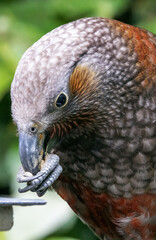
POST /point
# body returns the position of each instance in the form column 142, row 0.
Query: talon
column 29, row 179
column 24, row 179
column 25, row 189
column 41, row 193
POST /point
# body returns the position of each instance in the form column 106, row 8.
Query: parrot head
column 52, row 91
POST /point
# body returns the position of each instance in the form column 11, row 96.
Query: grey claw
column 41, row 193
column 26, row 179
column 51, row 179
column 26, row 189
column 21, row 176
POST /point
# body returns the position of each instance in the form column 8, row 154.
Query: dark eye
column 61, row 100
column 33, row 128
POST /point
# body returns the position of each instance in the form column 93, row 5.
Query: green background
column 22, row 22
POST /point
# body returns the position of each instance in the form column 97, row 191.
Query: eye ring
column 33, row 128
column 61, row 100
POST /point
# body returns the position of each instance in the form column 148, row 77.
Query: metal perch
column 6, row 209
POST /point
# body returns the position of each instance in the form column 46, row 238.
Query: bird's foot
column 39, row 183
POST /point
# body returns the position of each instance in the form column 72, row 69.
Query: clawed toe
column 26, row 189
column 43, row 179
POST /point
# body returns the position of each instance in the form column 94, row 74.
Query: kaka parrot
column 84, row 102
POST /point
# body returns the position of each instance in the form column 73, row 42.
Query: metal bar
column 4, row 201
column 6, row 209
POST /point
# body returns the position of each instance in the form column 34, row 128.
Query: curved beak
column 32, row 151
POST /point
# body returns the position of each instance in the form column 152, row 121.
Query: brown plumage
column 84, row 101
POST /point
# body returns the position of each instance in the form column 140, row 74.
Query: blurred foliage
column 2, row 236
column 61, row 239
column 22, row 22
